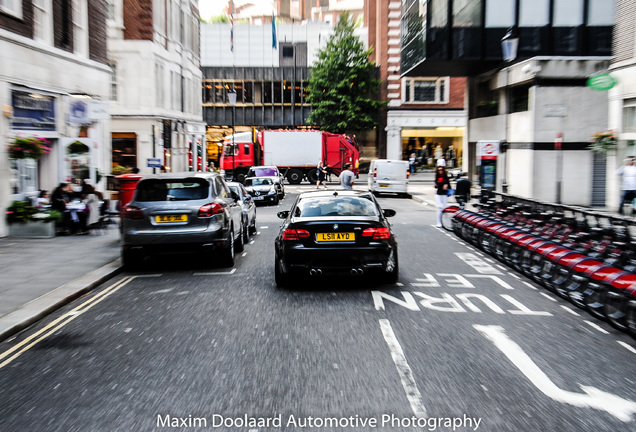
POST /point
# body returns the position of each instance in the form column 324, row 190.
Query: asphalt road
column 461, row 343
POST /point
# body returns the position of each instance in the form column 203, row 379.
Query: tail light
column 375, row 172
column 408, row 174
column 377, row 233
column 295, row 234
column 132, row 212
column 211, row 209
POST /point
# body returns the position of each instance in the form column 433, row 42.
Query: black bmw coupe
column 335, row 233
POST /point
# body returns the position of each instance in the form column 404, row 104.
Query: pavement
column 38, row 276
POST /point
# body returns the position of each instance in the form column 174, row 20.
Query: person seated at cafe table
column 91, row 215
column 59, row 198
column 43, row 200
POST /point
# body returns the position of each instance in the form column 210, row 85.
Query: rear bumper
column 311, row 261
column 160, row 242
column 388, row 187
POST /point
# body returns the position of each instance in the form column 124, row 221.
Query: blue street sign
column 154, row 163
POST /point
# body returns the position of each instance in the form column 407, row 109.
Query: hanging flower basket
column 602, row 142
column 28, row 148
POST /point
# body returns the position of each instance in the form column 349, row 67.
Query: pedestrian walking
column 442, row 184
column 347, row 177
column 322, row 175
column 412, row 160
column 628, row 182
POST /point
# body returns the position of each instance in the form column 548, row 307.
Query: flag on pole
column 274, row 42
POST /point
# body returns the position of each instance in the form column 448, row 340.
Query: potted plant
column 31, row 147
column 27, row 221
column 602, row 142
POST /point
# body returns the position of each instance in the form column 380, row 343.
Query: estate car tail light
column 377, row 233
column 132, row 212
column 211, row 209
column 295, row 234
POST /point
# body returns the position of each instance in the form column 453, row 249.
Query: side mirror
column 388, row 212
column 235, row 196
column 283, row 214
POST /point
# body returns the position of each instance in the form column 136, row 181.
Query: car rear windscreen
column 172, row 190
column 392, row 169
column 336, row 206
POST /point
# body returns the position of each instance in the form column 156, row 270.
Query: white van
column 388, row 176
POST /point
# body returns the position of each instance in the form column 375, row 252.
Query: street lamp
column 509, row 46
column 231, row 95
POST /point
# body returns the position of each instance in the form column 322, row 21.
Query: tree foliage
column 217, row 19
column 343, row 90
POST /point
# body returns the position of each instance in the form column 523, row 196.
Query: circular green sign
column 601, row 82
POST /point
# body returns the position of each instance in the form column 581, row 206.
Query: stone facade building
column 54, row 83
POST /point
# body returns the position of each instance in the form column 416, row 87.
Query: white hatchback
column 388, row 176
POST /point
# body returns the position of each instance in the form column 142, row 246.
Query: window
column 426, row 90
column 519, row 97
column 288, row 51
column 80, row 27
column 113, row 82
column 534, row 13
column 629, row 118
column 568, row 13
column 110, row 10
column 221, row 188
column 328, row 206
column 169, row 190
column 600, row 13
column 11, row 7
column 42, row 21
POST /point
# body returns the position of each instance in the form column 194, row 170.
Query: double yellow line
column 16, row 351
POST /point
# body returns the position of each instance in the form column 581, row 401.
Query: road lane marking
column 629, row 347
column 529, row 285
column 404, row 370
column 60, row 322
column 570, row 310
column 622, row 409
column 548, row 297
column 595, row 326
column 474, row 260
column 494, row 278
column 231, row 272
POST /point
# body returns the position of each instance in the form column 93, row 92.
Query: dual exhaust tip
column 318, row 272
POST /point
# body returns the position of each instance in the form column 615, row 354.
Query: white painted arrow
column 620, row 408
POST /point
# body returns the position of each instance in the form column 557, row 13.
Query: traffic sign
column 488, row 149
column 154, row 162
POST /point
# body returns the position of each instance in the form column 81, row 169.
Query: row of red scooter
column 591, row 265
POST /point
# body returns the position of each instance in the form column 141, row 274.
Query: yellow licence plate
column 171, row 218
column 383, row 185
column 336, row 237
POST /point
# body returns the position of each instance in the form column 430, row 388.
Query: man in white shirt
column 628, row 184
column 347, row 177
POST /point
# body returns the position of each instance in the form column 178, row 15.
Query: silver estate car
column 249, row 209
column 181, row 212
